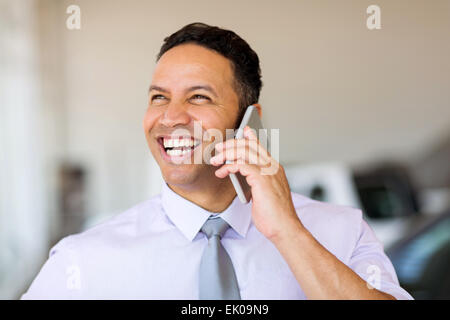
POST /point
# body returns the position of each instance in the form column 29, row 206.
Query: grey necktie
column 217, row 278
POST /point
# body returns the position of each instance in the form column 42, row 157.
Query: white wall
column 337, row 90
column 24, row 219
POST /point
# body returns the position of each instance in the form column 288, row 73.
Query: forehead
column 192, row 64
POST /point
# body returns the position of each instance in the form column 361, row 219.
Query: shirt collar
column 189, row 217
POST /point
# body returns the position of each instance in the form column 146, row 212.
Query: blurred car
column 422, row 259
column 384, row 196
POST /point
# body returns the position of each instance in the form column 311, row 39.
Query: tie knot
column 215, row 226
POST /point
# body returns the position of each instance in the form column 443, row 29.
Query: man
column 196, row 240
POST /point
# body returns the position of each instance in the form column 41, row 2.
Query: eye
column 200, row 97
column 157, row 97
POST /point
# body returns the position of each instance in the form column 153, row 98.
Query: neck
column 214, row 196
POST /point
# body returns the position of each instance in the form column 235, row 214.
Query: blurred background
column 364, row 117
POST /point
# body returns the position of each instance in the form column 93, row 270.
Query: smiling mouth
column 178, row 146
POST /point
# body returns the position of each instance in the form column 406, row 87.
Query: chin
column 180, row 175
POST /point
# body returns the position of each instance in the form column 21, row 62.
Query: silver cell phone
column 252, row 119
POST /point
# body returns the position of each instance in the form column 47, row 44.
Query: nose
column 175, row 114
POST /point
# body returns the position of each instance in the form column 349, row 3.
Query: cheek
column 214, row 119
column 150, row 118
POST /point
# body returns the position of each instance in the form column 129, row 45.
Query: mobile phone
column 252, row 119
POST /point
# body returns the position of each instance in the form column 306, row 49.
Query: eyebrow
column 193, row 88
column 157, row 88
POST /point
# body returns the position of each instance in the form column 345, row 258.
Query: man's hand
column 272, row 209
column 320, row 274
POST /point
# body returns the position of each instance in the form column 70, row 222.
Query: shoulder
column 84, row 257
column 310, row 209
column 337, row 227
column 122, row 226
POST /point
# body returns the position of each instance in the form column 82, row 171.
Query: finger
column 242, row 154
column 250, row 134
column 230, row 143
column 253, row 144
column 244, row 169
column 233, row 143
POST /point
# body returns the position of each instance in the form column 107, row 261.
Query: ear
column 258, row 107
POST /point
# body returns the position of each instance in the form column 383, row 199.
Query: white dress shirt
column 153, row 251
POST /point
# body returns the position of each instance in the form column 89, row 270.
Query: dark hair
column 244, row 61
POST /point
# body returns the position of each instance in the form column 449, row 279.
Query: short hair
column 244, row 61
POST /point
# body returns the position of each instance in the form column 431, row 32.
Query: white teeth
column 178, row 152
column 174, row 152
column 175, row 143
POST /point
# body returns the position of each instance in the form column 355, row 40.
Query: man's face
column 190, row 83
